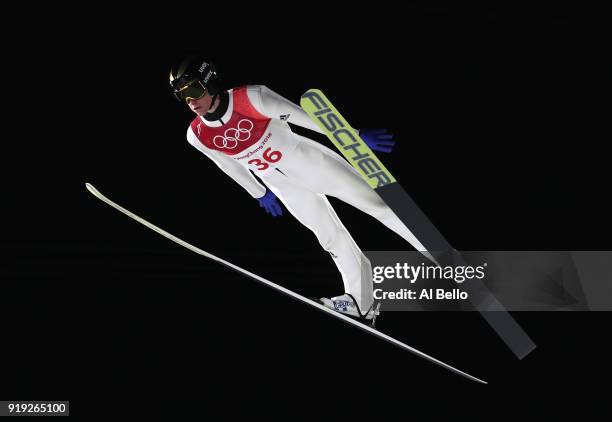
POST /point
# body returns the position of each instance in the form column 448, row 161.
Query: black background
column 499, row 123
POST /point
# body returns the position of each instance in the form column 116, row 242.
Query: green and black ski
column 355, row 150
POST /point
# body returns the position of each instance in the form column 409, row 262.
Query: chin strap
column 219, row 111
column 214, row 98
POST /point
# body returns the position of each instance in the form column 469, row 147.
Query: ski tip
column 466, row 375
column 91, row 188
column 311, row 90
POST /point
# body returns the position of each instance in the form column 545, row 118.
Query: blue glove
column 270, row 204
column 378, row 139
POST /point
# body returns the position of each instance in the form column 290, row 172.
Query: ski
column 360, row 156
column 282, row 289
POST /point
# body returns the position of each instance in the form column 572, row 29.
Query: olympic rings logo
column 232, row 136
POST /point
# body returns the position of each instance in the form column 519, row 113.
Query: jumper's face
column 201, row 105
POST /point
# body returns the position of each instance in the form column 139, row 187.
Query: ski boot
column 347, row 305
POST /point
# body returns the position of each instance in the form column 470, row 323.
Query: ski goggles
column 193, row 90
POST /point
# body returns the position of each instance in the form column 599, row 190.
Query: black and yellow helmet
column 192, row 78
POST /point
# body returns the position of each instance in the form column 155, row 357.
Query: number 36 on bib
column 270, row 156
